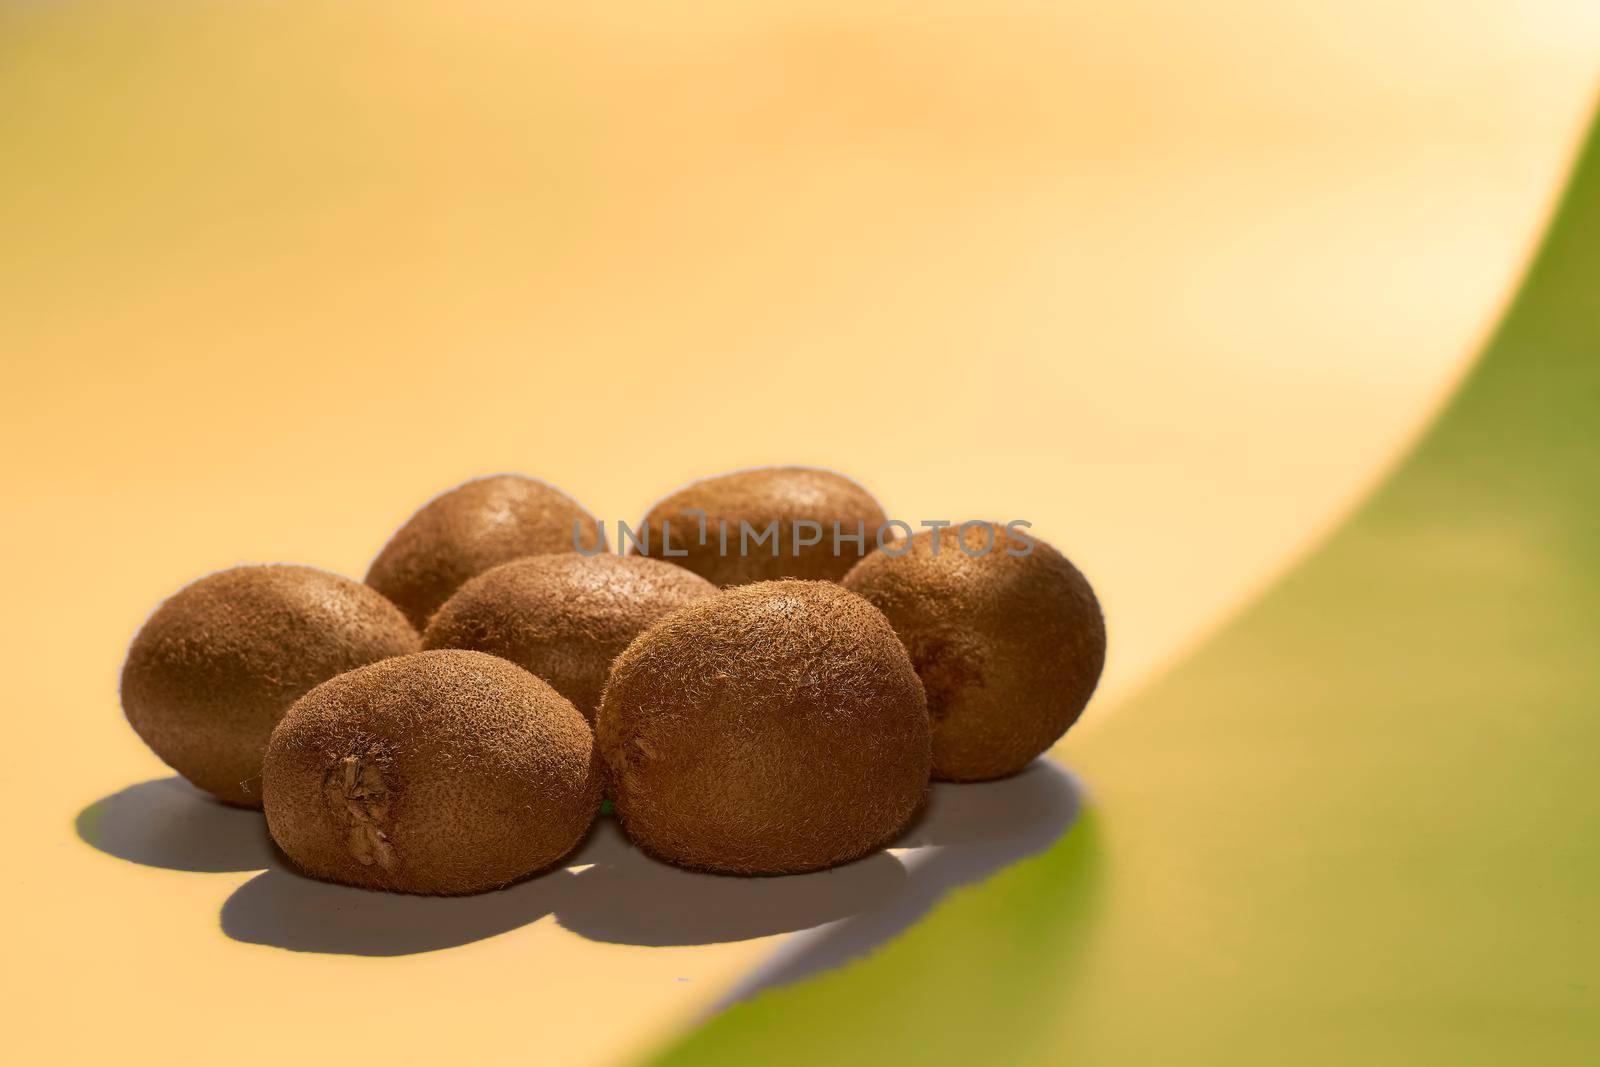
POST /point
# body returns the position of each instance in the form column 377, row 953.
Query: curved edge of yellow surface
column 1354, row 826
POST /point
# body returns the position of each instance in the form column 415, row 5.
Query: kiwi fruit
column 1006, row 635
column 566, row 617
column 733, row 545
column 773, row 728
column 462, row 533
column 444, row 772
column 217, row 665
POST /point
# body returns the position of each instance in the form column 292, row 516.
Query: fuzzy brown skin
column 565, row 618
column 759, row 497
column 1009, row 648
column 771, row 729
column 475, row 526
column 444, row 772
column 216, row 666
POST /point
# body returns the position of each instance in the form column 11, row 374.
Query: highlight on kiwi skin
column 773, row 728
column 443, row 772
column 564, row 617
column 480, row 524
column 796, row 507
column 216, row 666
column 1006, row 635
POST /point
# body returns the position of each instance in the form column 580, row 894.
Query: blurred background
column 1178, row 284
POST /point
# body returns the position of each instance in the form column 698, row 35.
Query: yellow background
column 1174, row 285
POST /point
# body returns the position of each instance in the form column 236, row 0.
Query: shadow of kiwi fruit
column 964, row 834
column 285, row 909
column 606, row 890
column 166, row 822
column 626, row 897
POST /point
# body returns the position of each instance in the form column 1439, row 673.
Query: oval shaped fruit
column 764, row 524
column 216, row 666
column 566, row 617
column 1006, row 635
column 442, row 772
column 475, row 526
column 774, row 728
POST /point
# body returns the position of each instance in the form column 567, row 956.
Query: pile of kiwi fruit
column 458, row 721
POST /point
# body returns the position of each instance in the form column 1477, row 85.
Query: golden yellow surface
column 1173, row 284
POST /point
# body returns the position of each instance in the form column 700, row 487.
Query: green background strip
column 1361, row 824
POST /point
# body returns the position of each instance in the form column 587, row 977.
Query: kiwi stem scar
column 359, row 798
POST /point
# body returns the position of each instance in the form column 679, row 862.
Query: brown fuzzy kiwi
column 1009, row 647
column 475, row 526
column 761, row 497
column 771, row 729
column 444, row 772
column 565, row 618
column 217, row 665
